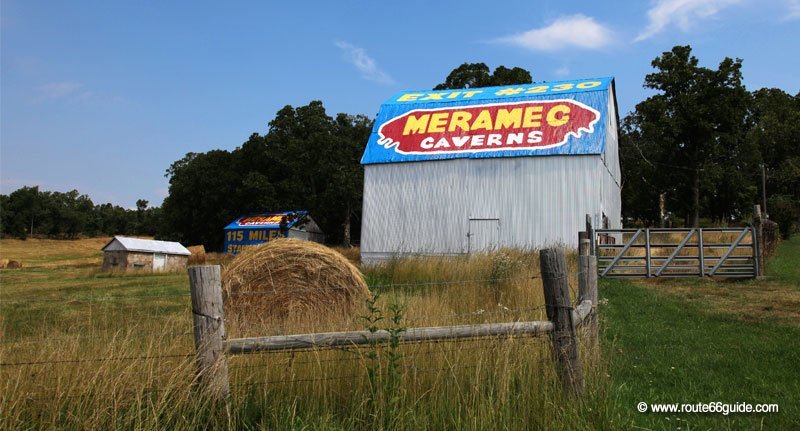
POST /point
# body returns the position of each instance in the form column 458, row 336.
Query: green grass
column 665, row 347
column 785, row 266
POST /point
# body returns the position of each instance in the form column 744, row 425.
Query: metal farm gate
column 689, row 252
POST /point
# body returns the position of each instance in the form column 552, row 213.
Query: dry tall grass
column 106, row 351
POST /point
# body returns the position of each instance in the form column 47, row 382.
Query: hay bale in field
column 4, row 263
column 198, row 256
column 288, row 279
column 14, row 264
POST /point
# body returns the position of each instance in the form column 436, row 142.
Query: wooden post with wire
column 587, row 289
column 205, row 283
column 559, row 310
column 758, row 241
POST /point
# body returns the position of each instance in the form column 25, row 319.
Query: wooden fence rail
column 564, row 319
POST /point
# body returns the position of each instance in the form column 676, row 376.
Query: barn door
column 484, row 234
column 159, row 261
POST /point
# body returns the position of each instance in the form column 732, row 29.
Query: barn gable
column 515, row 166
column 557, row 118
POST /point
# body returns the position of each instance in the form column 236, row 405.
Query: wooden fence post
column 758, row 229
column 587, row 289
column 559, row 311
column 209, row 329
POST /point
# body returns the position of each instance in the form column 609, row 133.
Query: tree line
column 704, row 147
column 692, row 153
column 29, row 211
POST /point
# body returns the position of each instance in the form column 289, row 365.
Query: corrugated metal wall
column 612, row 179
column 425, row 207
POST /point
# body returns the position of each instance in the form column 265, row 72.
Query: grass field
column 81, row 349
column 691, row 341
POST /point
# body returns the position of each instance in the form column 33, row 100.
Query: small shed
column 469, row 170
column 254, row 229
column 123, row 253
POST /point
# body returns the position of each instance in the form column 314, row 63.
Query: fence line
column 111, row 358
column 106, row 298
column 210, row 321
column 429, row 352
column 212, row 348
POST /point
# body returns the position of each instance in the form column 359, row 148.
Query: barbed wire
column 77, row 337
column 427, row 352
column 111, row 358
column 89, row 394
column 103, row 298
column 377, row 286
column 416, row 370
column 106, row 298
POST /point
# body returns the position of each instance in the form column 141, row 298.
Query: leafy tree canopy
column 307, row 160
column 472, row 75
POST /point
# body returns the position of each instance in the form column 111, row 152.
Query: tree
column 199, row 203
column 23, row 210
column 775, row 116
column 307, row 160
column 692, row 134
column 472, row 75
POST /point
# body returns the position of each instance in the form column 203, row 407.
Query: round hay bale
column 289, row 279
column 198, row 256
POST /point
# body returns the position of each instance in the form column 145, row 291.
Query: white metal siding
column 425, row 207
column 612, row 179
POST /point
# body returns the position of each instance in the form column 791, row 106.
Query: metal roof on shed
column 270, row 220
column 145, row 245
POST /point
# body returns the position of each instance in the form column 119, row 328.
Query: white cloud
column 364, row 63
column 577, row 31
column 562, row 71
column 56, row 90
column 684, row 13
column 794, row 10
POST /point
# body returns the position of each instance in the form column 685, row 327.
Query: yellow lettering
column 507, row 119
column 239, row 235
column 553, row 117
column 433, row 96
column 484, row 121
column 563, row 87
column 410, row 97
column 438, row 121
column 537, row 89
column 588, row 84
column 254, row 235
column 453, row 95
column 416, row 125
column 459, row 119
column 532, row 116
column 468, row 94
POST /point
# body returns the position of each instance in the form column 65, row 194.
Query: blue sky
column 103, row 96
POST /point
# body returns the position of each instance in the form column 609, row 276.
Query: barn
column 461, row 171
column 253, row 229
column 127, row 254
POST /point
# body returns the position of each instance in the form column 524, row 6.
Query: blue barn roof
column 539, row 119
column 269, row 220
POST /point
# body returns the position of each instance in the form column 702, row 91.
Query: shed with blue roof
column 469, row 170
column 258, row 228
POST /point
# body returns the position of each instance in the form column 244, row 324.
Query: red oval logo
column 490, row 127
